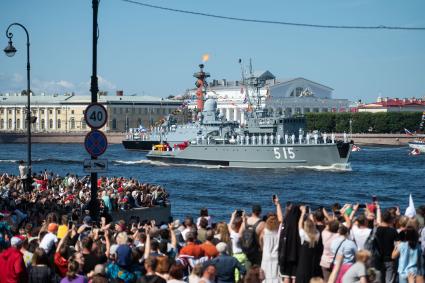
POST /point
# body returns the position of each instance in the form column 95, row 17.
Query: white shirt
column 48, row 241
column 359, row 236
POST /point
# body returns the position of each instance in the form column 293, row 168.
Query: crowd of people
column 48, row 235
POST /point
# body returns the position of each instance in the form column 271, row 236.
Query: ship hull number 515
column 284, row 153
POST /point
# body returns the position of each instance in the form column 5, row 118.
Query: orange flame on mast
column 205, row 57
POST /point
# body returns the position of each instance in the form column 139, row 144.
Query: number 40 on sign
column 96, row 115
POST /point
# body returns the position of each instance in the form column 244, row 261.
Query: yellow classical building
column 65, row 113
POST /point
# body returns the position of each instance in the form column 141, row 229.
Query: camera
column 239, row 213
column 70, row 224
column 374, row 198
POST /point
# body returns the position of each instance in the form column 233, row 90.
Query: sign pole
column 94, row 89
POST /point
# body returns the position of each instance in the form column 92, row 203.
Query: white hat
column 15, row 241
column 410, row 210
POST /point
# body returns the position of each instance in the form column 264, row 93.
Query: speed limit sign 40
column 96, row 115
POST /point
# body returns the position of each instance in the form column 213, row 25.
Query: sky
column 153, row 52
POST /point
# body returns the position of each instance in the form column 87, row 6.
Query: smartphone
column 101, row 233
column 239, row 213
column 362, row 205
column 374, row 198
column 88, row 228
column 307, row 209
column 70, row 224
column 274, row 197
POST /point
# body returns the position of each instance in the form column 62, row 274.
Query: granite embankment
column 116, row 138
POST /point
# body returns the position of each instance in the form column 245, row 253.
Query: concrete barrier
column 157, row 213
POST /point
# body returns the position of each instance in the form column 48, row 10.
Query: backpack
column 372, row 245
column 248, row 240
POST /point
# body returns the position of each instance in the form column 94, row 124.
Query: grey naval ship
column 268, row 140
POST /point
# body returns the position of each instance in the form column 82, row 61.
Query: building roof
column 394, row 102
column 286, row 81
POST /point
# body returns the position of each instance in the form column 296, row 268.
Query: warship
column 267, row 140
column 170, row 132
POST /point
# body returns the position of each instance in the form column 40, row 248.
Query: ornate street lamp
column 10, row 50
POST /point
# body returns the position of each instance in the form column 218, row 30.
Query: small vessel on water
column 268, row 140
column 418, row 144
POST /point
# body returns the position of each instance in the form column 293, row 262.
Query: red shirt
column 193, row 250
column 209, row 250
column 62, row 264
column 12, row 266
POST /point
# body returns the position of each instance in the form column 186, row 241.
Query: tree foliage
column 364, row 122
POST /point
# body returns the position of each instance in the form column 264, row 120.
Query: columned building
column 65, row 113
column 292, row 96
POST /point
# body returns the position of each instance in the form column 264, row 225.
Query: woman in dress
column 269, row 242
column 309, row 257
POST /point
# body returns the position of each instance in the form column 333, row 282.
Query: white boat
column 418, row 144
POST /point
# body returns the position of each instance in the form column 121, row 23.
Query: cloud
column 15, row 83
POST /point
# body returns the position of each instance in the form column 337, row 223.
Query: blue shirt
column 226, row 266
column 348, row 249
column 409, row 259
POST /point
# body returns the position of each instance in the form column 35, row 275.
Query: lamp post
column 10, row 50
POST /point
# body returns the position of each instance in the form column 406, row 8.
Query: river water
column 390, row 173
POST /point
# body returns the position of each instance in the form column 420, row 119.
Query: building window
column 18, row 111
column 114, row 124
column 72, row 123
column 146, row 110
column 1, row 124
column 10, row 111
column 51, row 123
column 1, row 111
column 42, row 124
column 50, row 111
column 72, row 111
column 306, row 110
column 114, row 111
column 120, row 110
column 9, row 124
column 59, row 111
column 59, row 123
column 83, row 123
column 42, row 111
column 18, row 123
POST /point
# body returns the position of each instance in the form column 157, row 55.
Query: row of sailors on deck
column 314, row 138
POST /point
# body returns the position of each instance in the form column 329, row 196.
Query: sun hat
column 15, row 241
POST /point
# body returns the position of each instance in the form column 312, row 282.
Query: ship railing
column 272, row 139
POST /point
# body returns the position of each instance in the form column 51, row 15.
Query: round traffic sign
column 96, row 115
column 95, row 143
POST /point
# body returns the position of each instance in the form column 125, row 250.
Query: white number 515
column 287, row 152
